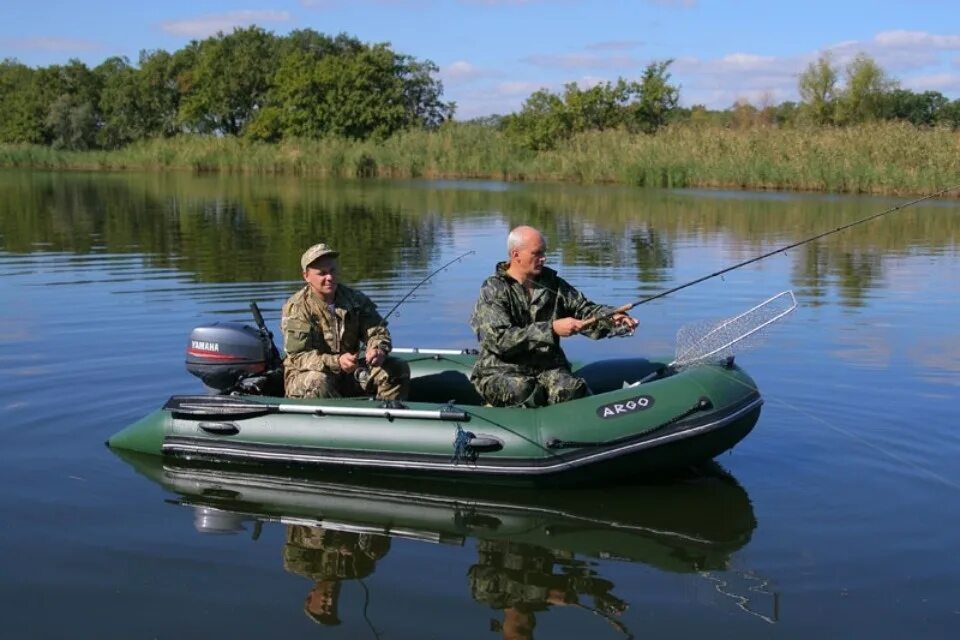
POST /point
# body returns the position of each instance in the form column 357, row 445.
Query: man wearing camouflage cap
column 323, row 326
column 522, row 312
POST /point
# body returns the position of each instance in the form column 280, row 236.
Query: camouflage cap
column 316, row 252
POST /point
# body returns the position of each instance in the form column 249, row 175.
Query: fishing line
column 853, row 436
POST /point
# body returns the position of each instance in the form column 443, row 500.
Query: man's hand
column 375, row 357
column 565, row 327
column 623, row 320
column 348, row 362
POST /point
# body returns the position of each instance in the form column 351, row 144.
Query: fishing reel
column 362, row 373
column 621, row 331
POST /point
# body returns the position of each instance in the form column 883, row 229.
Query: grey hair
column 516, row 237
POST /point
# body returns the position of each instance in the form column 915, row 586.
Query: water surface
column 837, row 516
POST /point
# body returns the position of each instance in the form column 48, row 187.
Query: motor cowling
column 233, row 357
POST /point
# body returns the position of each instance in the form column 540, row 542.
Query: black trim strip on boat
column 703, row 404
column 210, row 448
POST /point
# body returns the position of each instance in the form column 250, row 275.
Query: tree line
column 259, row 86
column 249, row 83
column 858, row 93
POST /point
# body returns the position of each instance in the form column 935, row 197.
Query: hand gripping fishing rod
column 631, row 305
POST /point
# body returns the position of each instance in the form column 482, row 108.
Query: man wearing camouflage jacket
column 522, row 312
column 323, row 325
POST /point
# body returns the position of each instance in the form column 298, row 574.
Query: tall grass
column 882, row 158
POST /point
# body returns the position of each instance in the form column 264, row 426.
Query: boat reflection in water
column 534, row 547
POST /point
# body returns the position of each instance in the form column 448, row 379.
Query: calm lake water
column 837, row 517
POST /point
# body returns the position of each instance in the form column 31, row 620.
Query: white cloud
column 916, row 39
column 516, row 88
column 50, row 44
column 462, row 72
column 942, row 82
column 614, row 45
column 919, row 60
column 581, row 61
column 898, row 50
column 203, row 26
column 719, row 82
column 502, row 97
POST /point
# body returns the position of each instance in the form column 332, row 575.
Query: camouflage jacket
column 314, row 336
column 324, row 554
column 516, row 331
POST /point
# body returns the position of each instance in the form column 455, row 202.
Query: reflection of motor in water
column 520, row 580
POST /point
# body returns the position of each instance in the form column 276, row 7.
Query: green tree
column 599, row 107
column 161, row 83
column 541, row 123
column 921, row 109
column 226, row 85
column 332, row 87
column 657, row 98
column 949, row 114
column 119, row 104
column 864, row 92
column 818, row 90
column 22, row 110
column 72, row 93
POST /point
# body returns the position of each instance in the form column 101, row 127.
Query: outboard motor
column 235, row 358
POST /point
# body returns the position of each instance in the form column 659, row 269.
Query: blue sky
column 493, row 54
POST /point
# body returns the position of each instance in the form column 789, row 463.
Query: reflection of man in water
column 329, row 557
column 519, row 579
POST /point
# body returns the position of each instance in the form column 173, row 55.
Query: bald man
column 522, row 312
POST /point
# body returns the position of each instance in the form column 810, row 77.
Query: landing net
column 709, row 341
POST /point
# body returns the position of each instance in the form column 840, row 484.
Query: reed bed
column 880, row 158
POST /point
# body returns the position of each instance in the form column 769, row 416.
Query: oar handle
column 591, row 321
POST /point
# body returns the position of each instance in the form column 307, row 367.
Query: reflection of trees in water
column 228, row 234
column 229, row 228
column 853, row 274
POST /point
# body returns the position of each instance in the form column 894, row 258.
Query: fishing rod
column 425, row 280
column 363, row 371
column 631, row 305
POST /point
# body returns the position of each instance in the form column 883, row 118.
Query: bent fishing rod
column 424, row 281
column 361, row 360
column 631, row 305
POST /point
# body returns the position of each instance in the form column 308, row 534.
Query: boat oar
column 200, row 407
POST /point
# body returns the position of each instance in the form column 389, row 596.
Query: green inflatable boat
column 643, row 417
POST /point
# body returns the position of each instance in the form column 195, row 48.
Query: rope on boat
column 703, row 404
column 462, row 450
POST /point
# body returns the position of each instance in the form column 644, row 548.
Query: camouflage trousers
column 514, row 390
column 390, row 381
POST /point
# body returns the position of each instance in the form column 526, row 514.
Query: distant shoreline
column 886, row 158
